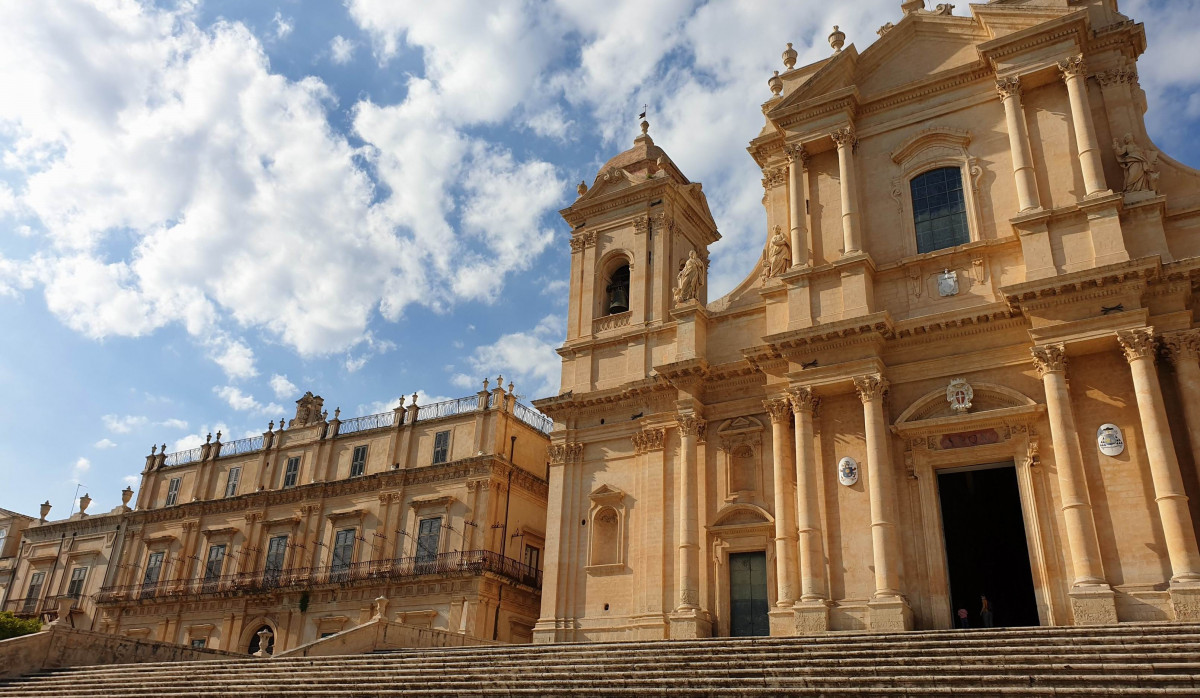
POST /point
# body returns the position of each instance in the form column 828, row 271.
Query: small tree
column 12, row 626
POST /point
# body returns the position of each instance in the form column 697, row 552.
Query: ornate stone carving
column 844, row 137
column 797, row 153
column 871, row 387
column 774, row 177
column 1182, row 346
column 779, row 408
column 576, row 244
column 1138, row 344
column 789, row 57
column 885, row 28
column 1033, row 458
column 1117, row 76
column 649, row 440
column 641, row 225
column 565, row 453
column 943, row 8
column 308, row 410
column 1073, row 67
column 779, row 254
column 959, row 394
column 691, row 278
column 1140, row 165
column 1049, row 358
column 1008, row 87
column 690, row 424
column 804, row 400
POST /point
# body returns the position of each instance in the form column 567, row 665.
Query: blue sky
column 207, row 208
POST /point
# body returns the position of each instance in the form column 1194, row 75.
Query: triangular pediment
column 838, row 73
column 918, row 47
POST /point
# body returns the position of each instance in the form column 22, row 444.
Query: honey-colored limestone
column 974, row 260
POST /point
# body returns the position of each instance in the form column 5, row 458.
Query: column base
column 550, row 631
column 890, row 614
column 690, row 624
column 811, row 617
column 782, row 621
column 1093, row 605
column 1185, row 601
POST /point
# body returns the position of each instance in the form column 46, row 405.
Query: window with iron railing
column 441, row 447
column 75, row 587
column 34, row 594
column 231, row 482
column 292, row 472
column 343, row 550
column 276, row 549
column 358, row 463
column 215, row 562
column 153, row 569
column 533, row 556
column 173, row 491
column 428, row 534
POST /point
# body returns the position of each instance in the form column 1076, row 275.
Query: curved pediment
column 987, row 397
column 742, row 515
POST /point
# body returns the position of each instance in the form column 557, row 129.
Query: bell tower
column 633, row 234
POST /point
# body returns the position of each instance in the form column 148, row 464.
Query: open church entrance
column 748, row 595
column 986, row 551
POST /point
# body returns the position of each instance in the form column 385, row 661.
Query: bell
column 618, row 300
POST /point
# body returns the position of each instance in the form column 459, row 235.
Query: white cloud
column 173, row 423
column 244, row 402
column 198, row 439
column 81, row 467
column 341, row 50
column 132, row 480
column 234, row 357
column 122, row 425
column 527, row 359
column 283, row 27
column 104, row 444
column 284, row 388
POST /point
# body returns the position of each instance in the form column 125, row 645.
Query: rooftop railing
column 448, row 408
column 237, row 448
column 183, row 457
column 466, row 563
column 371, row 421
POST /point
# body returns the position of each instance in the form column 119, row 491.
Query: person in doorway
column 985, row 611
column 964, row 620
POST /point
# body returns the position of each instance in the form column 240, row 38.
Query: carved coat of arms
column 948, row 283
column 959, row 394
column 847, row 471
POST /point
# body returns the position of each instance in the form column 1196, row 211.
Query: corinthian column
column 785, row 540
column 871, row 390
column 690, row 427
column 1074, row 73
column 797, row 163
column 846, row 140
column 808, row 514
column 1018, row 142
column 1183, row 349
column 1140, row 347
column 1051, row 364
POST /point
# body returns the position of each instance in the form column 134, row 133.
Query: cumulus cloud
column 244, row 402
column 234, row 357
column 103, row 444
column 284, row 388
column 526, row 358
column 80, row 468
column 123, row 425
column 341, row 50
column 173, row 423
column 283, row 27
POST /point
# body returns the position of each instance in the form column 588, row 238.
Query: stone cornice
column 568, row 402
column 1083, row 285
column 832, row 335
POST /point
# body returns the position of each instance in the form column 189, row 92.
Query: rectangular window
column 216, row 561
column 358, row 464
column 172, row 491
column 75, row 588
column 276, row 549
column 343, row 550
column 532, row 556
column 441, row 447
column 35, row 591
column 199, row 643
column 427, row 539
column 3, row 538
column 231, row 482
column 292, row 473
column 153, row 569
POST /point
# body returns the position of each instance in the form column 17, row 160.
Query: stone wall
column 383, row 635
column 58, row 647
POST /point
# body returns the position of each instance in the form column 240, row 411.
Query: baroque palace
column 432, row 515
column 966, row 367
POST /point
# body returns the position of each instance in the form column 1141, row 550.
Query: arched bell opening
column 616, row 294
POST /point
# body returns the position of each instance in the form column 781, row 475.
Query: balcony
column 458, row 564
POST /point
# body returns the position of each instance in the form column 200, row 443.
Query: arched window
column 939, row 209
column 616, row 298
column 606, row 537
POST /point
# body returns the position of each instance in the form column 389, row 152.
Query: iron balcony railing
column 533, row 418
column 448, row 408
column 468, row 563
column 371, row 421
column 183, row 457
column 237, row 448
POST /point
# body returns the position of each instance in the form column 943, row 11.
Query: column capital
column 797, row 153
column 803, row 400
column 1008, row 87
column 1182, row 346
column 1049, row 358
column 1075, row 66
column 779, row 408
column 690, row 424
column 1138, row 344
column 844, row 137
column 650, row 439
column 871, row 387
column 564, row 453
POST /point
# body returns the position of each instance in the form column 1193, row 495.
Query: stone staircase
column 1125, row 660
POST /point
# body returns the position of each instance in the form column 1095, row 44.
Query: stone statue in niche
column 691, row 278
column 1141, row 166
column 779, row 253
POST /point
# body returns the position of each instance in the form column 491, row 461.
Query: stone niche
column 741, row 447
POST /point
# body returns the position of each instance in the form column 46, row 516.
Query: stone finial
column 485, row 385
column 163, row 449
column 500, row 382
column 218, row 436
column 912, row 6
column 337, row 412
column 401, row 401
column 264, row 641
column 582, row 188
column 510, row 387
column 776, row 84
column 645, row 127
column 414, row 398
column 837, row 39
column 153, row 449
column 789, row 57
column 271, row 425
column 208, row 439
column 126, row 495
column 84, row 502
column 45, row 509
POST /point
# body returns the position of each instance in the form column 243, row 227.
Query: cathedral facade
column 962, row 386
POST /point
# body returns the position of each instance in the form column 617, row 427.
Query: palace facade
column 966, row 366
column 430, row 515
